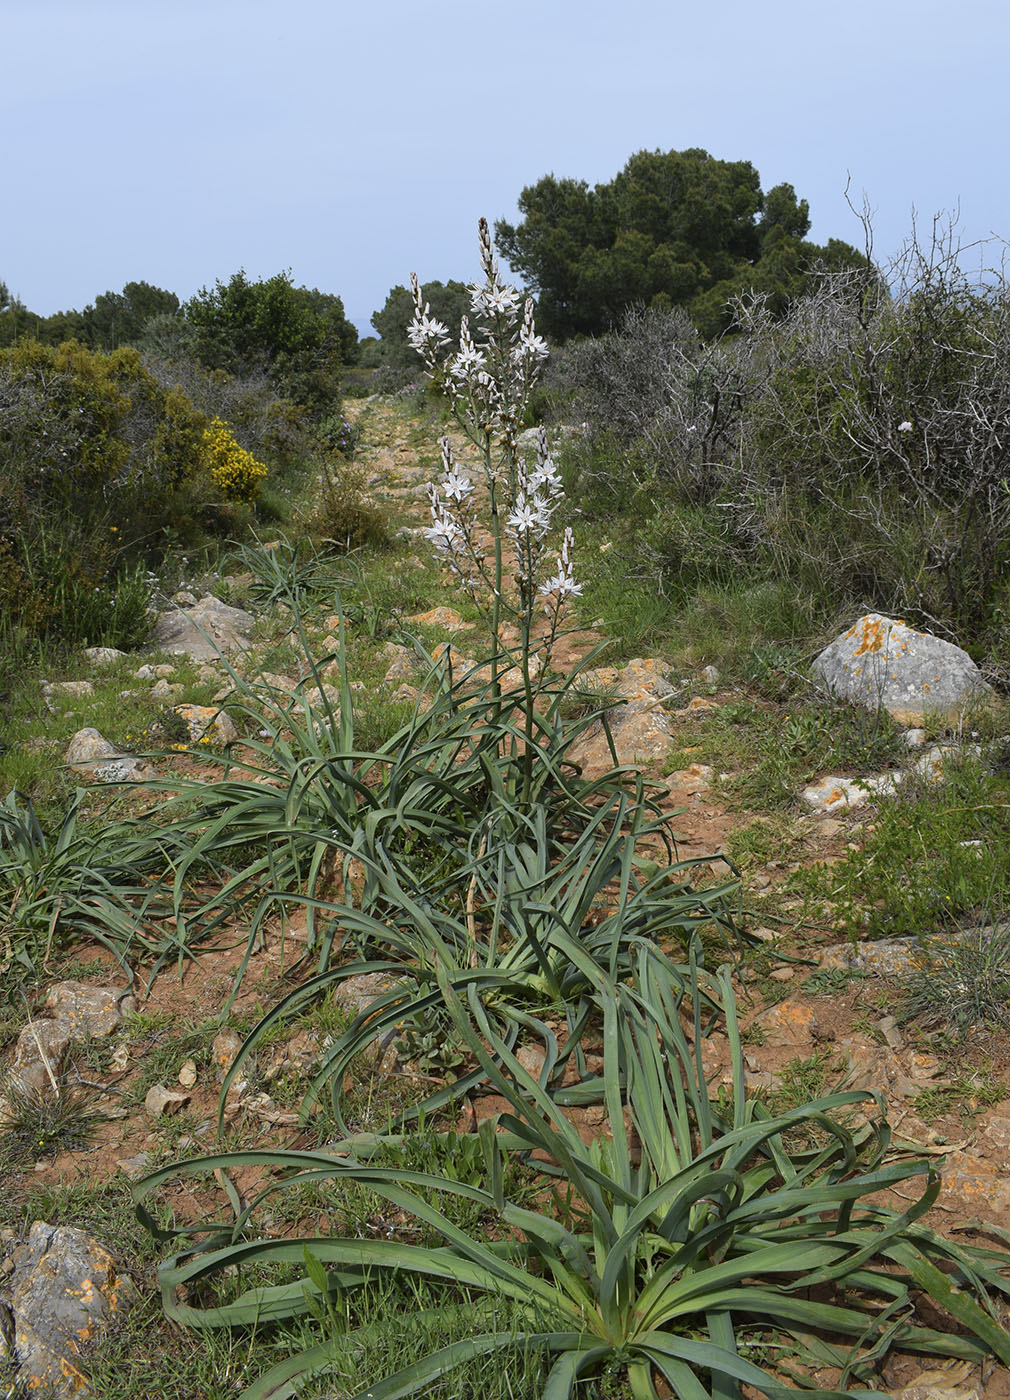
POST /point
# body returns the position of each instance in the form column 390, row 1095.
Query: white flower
column 527, row 516
column 544, row 474
column 425, row 332
column 534, row 344
column 444, row 533
column 456, row 486
column 492, row 300
column 560, row 586
column 905, row 427
column 468, row 362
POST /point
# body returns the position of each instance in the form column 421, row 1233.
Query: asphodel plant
column 692, row 1237
column 517, row 577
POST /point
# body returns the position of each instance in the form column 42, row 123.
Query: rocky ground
column 819, row 1010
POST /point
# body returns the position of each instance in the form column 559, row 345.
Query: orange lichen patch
column 973, row 1180
column 873, row 635
column 789, row 1015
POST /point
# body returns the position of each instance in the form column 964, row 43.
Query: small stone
column 888, row 1027
column 103, row 656
column 958, row 1381
column 91, row 755
column 532, row 1059
column 165, row 690
column 160, row 1101
column 206, row 722
column 39, row 1054
column 89, row 1010
column 401, row 668
column 226, row 1046
column 135, row 1167
column 187, row 1074
column 441, row 617
column 74, row 690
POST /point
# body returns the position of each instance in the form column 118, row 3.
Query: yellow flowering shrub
column 234, row 471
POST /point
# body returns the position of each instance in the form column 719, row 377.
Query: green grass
column 912, row 873
column 965, row 1096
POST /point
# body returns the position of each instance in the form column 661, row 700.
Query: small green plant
column 934, row 859
column 38, row 1123
column 57, row 883
column 828, row 981
column 965, row 1095
column 962, row 979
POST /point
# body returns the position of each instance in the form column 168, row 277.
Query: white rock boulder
column 882, row 662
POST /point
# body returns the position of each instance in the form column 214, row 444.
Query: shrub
column 234, row 471
column 98, row 459
column 874, row 459
column 344, row 517
column 265, row 424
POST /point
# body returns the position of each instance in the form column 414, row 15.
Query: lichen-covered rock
column 882, row 662
column 91, row 755
column 832, row 794
column 640, row 731
column 207, row 722
column 39, row 1054
column 103, row 656
column 88, row 1010
column 62, row 1290
column 204, row 630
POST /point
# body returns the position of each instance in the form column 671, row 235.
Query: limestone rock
column 161, row 1100
column 88, row 1010
column 62, row 1290
column 204, row 630
column 91, row 755
column 165, row 690
column 441, row 617
column 299, row 1055
column 881, row 661
column 883, row 956
column 641, row 733
column 833, row 794
column 56, row 693
column 103, row 656
column 206, row 721
column 355, row 993
column 39, row 1054
column 401, row 668
column 226, row 1046
column 957, row 1381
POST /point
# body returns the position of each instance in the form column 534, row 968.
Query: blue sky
column 355, row 142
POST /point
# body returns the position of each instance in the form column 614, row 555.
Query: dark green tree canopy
column 448, row 301
column 300, row 336
column 674, row 228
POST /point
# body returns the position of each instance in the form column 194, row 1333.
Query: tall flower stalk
column 488, row 380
